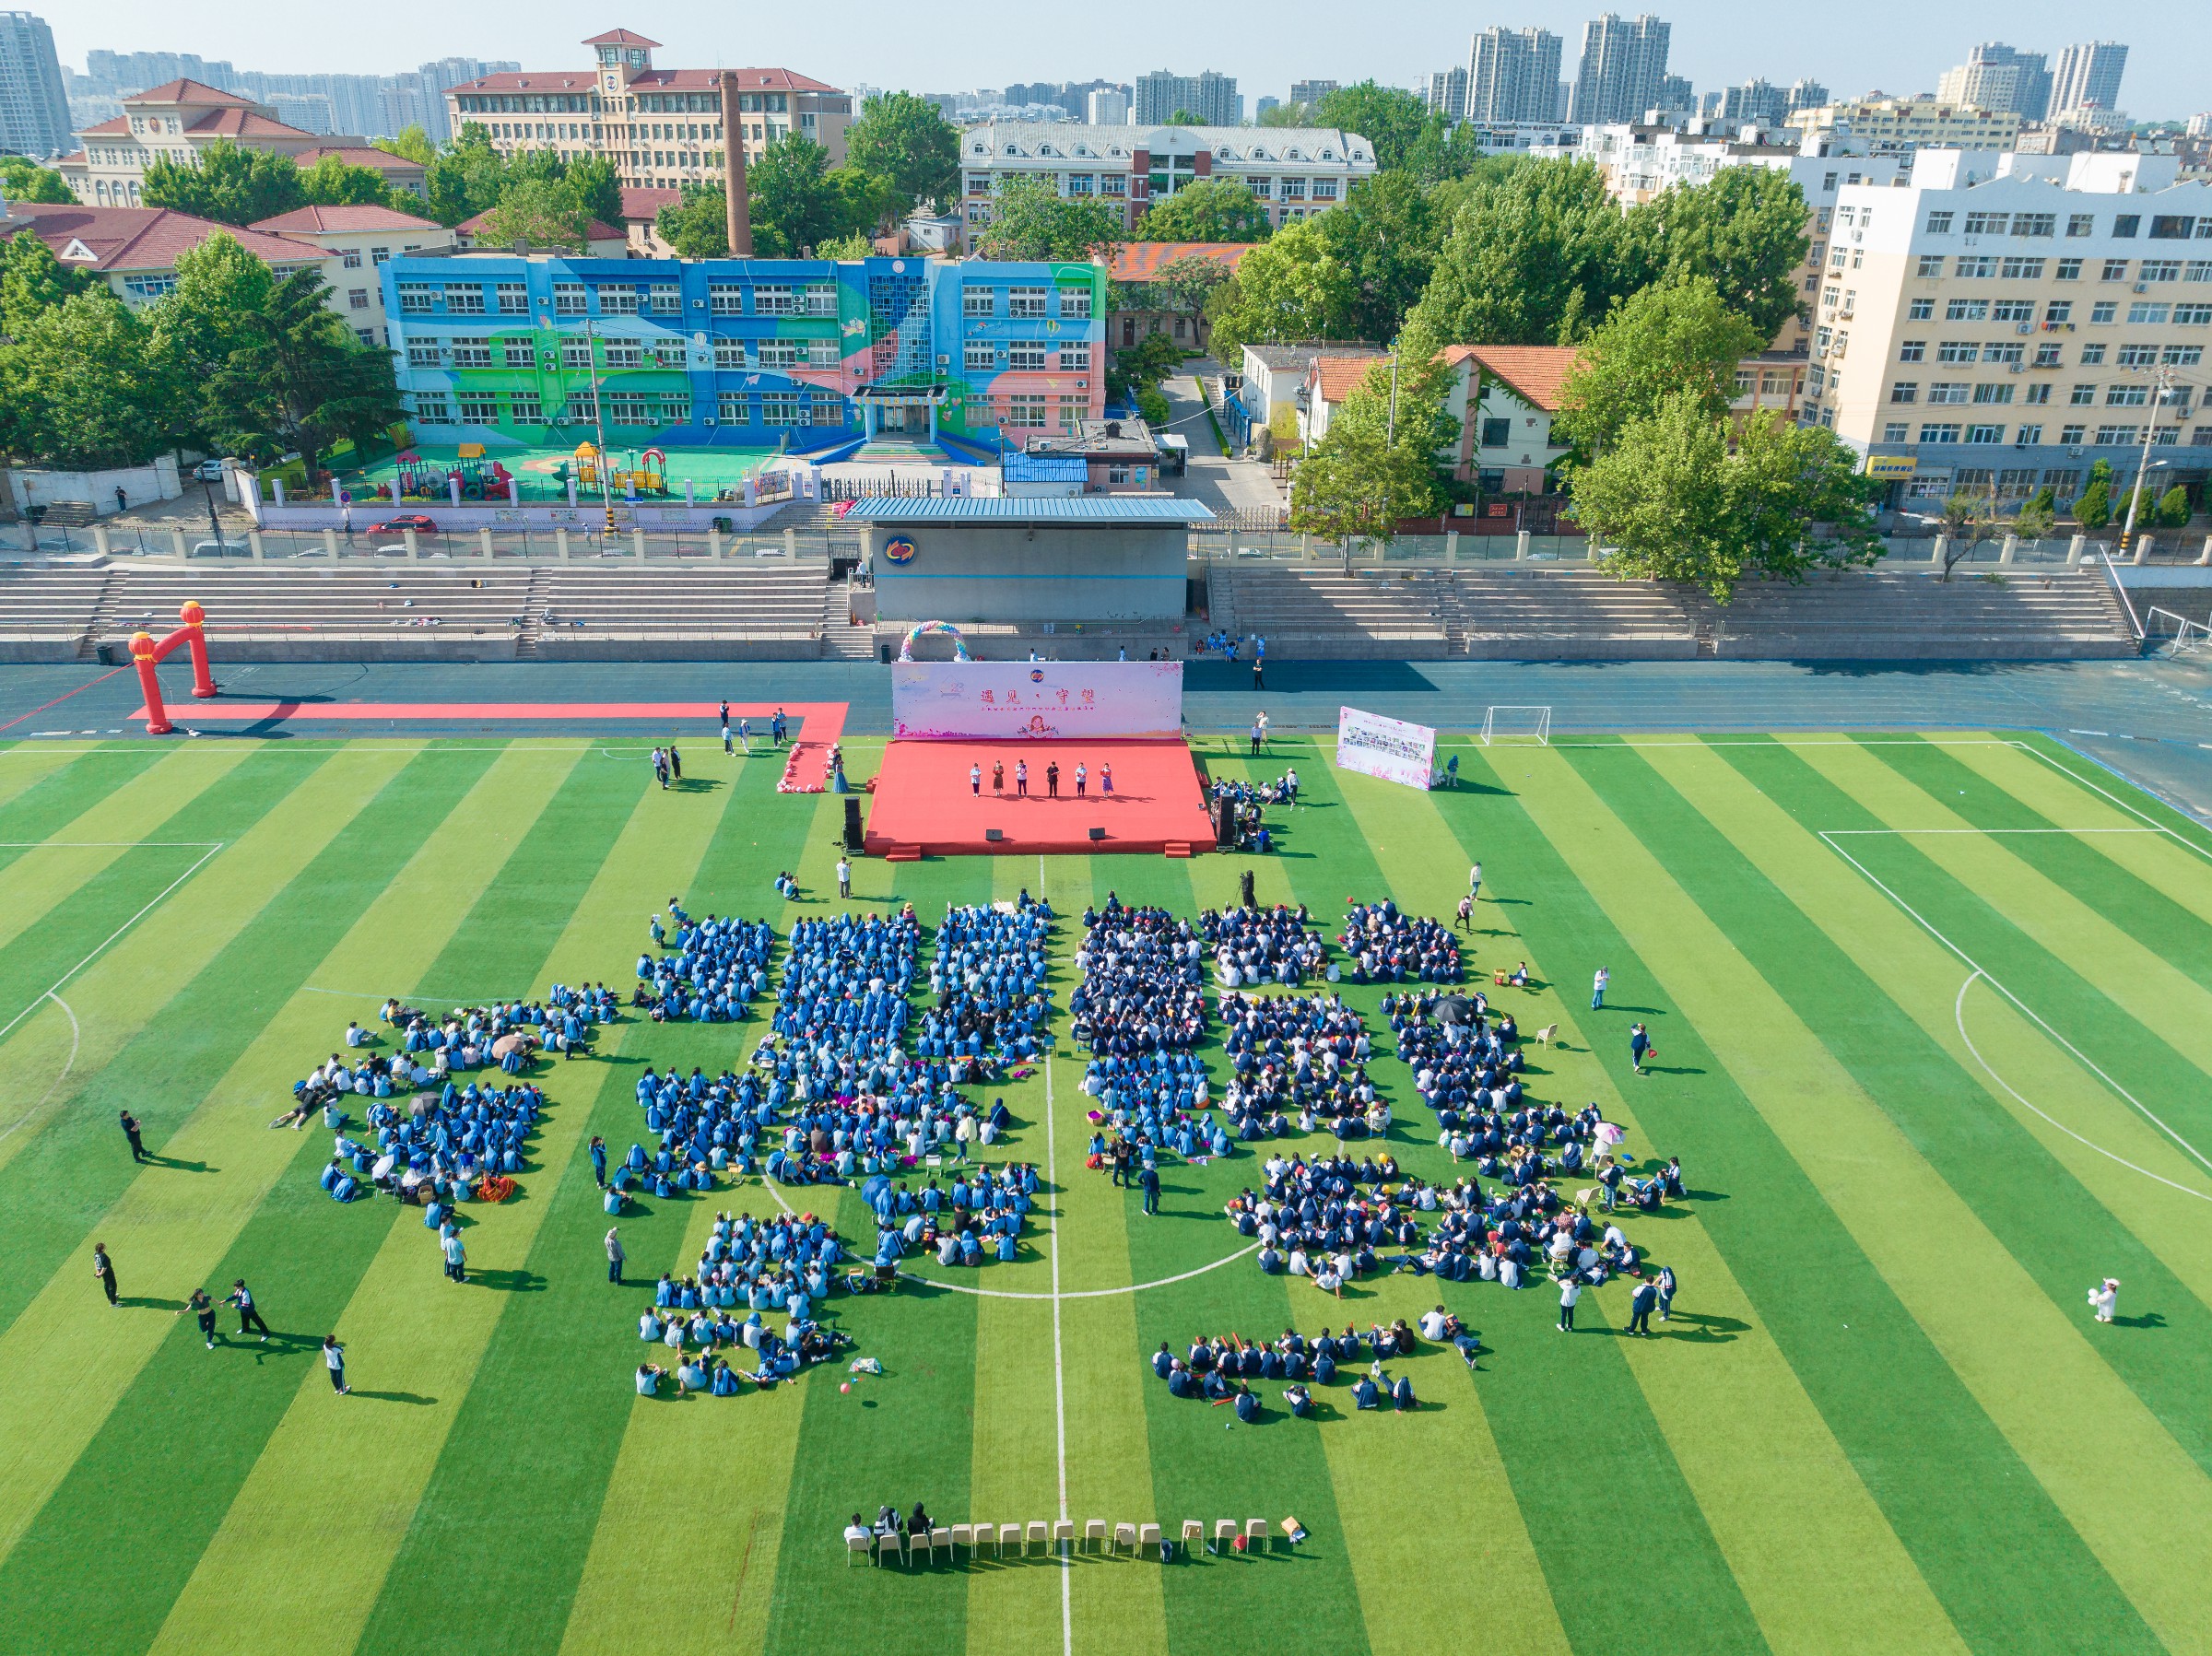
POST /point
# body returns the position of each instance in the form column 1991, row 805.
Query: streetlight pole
column 214, row 521
column 2161, row 382
column 607, row 493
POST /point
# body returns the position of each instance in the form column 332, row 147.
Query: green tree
column 798, row 200
column 1377, row 463
column 905, row 142
column 465, row 177
column 858, row 245
column 1212, row 209
column 1744, row 231
column 1142, row 366
column 413, row 143
column 225, row 184
column 2039, row 515
column 2173, row 507
column 1387, row 236
column 1184, row 118
column 540, row 213
column 200, row 324
column 696, row 223
column 1536, row 255
column 1390, row 118
column 22, row 178
column 32, row 281
column 2093, row 506
column 1664, row 339
column 1673, row 503
column 1294, row 287
column 597, row 186
column 1152, row 405
column 81, row 389
column 332, row 182
column 1286, row 114
column 299, row 380
column 1030, row 220
column 1180, row 288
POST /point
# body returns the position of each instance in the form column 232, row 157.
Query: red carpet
column 923, row 805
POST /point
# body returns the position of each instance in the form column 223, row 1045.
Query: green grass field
column 1934, row 1018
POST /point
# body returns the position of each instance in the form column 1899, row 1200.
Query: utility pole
column 2161, row 382
column 607, row 494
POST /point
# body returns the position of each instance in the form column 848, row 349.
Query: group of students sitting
column 1252, row 945
column 1237, row 790
column 1386, row 945
column 1222, row 1369
column 709, row 971
column 845, row 982
column 695, row 1342
column 1458, row 1064
column 465, row 1037
column 1302, row 1057
column 1141, row 981
column 435, row 1149
column 988, row 980
column 1329, row 1219
column 979, row 1219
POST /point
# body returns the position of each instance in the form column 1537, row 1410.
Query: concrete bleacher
column 1879, row 615
column 1545, row 613
column 273, row 613
column 1317, row 613
column 711, row 612
column 46, row 612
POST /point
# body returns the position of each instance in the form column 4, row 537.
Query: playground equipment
column 480, row 478
column 147, row 654
column 921, row 628
column 645, row 475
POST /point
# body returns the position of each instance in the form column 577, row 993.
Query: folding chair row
column 1053, row 1535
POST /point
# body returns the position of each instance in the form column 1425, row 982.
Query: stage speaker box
column 1097, row 833
column 1225, row 822
column 854, row 839
column 995, row 835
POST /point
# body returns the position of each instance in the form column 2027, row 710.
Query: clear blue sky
column 1892, row 44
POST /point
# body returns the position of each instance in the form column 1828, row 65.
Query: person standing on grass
column 334, row 1359
column 1642, row 1303
column 1257, row 734
column 1474, row 883
column 104, row 1268
column 599, row 1161
column 1467, row 914
column 616, row 1254
column 2104, row 1298
column 456, row 1256
column 1597, row 990
column 745, row 735
column 203, row 1311
column 660, row 767
column 1639, row 1047
column 1664, row 1287
column 1148, row 1182
column 248, row 1318
column 1571, row 1290
column 844, row 877
column 676, row 762
column 728, row 747
column 779, row 725
column 129, row 1130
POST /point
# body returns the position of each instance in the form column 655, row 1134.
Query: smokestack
column 736, row 205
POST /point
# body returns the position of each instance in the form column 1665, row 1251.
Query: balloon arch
column 922, row 628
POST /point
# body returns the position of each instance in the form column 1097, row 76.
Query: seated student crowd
column 712, row 968
column 1386, row 945
column 1263, row 945
column 979, row 1218
column 1298, row 1054
column 463, row 1038
column 1221, row 1368
column 1313, row 1219
column 1457, row 1066
column 695, row 1333
column 1236, row 789
column 845, row 982
column 1141, row 981
column 988, row 983
column 435, row 1147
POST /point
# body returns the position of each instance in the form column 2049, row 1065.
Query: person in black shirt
column 129, row 1130
column 203, row 1310
column 248, row 1318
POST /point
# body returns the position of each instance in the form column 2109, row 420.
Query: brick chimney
column 737, row 205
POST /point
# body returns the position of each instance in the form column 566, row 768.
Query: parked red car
column 400, row 525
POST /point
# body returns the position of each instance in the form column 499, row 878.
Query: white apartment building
column 358, row 241
column 1297, row 171
column 1881, row 125
column 2003, row 321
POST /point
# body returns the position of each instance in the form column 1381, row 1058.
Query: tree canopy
column 1390, row 118
column 1535, row 256
column 225, row 184
column 22, row 178
column 1030, row 220
column 904, row 141
column 696, row 223
column 539, row 213
column 1668, row 338
column 1212, row 209
column 32, row 281
column 1744, row 231
column 799, row 201
column 1377, row 463
column 333, row 183
column 82, row 387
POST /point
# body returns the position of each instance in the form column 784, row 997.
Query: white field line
column 76, row 1039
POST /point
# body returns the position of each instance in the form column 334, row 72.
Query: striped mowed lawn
column 1931, row 1028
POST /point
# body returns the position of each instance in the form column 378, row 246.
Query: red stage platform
column 923, row 806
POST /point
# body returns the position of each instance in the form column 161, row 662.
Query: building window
column 1939, row 433
column 2082, row 395
column 1958, row 350
column 2191, row 315
column 774, row 299
column 568, row 298
column 2022, row 270
column 780, row 353
column 2081, row 224
column 480, row 408
column 726, row 298
column 414, row 298
column 1905, row 391
column 2028, row 436
column 2010, row 351
column 514, row 299
column 822, row 353
column 2146, row 313
column 667, row 299
column 2035, row 224
column 1987, row 224
column 2160, row 270
column 1026, row 356
column 2071, row 434
column 584, row 407
column 676, row 408
column 463, row 298
column 1025, row 411
column 733, row 405
column 1075, row 303
column 1976, row 268
column 1948, row 391
column 2037, row 393
column 526, row 408
column 978, row 356
column 2115, row 270
column 472, row 353
column 2110, row 436
column 1985, row 434
column 2058, row 309
column 668, row 353
column 433, row 410
column 779, row 408
column 626, row 409
column 729, row 353
column 422, row 353
column 2104, row 311
column 828, row 408
column 821, row 300
column 2182, row 356
column 1026, row 301
column 1074, row 358
column 2126, row 396
column 623, row 353
column 1993, row 393
column 1922, row 309
column 575, row 353
column 977, row 301
column 357, row 298
column 1965, row 310
column 1939, row 224
column 2198, row 270
column 1896, row 432
column 350, row 259
column 618, row 300
column 2125, row 226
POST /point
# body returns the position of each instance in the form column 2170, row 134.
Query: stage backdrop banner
column 1042, row 700
column 1388, row 749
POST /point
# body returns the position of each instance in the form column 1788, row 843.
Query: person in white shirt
column 2105, row 1299
column 1598, row 989
column 844, row 877
column 1570, row 1291
column 1432, row 1324
column 1474, row 883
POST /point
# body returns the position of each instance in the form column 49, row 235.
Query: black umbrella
column 1454, row 1009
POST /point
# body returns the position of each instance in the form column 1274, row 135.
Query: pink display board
column 1039, row 701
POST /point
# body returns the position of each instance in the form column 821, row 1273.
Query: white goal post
column 1516, row 724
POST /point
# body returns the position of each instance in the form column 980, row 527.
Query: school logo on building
column 1036, row 675
column 900, row 549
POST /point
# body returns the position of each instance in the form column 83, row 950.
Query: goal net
column 1516, row 724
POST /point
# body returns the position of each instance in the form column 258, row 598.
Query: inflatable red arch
column 147, row 654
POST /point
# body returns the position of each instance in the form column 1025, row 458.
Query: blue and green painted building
column 811, row 356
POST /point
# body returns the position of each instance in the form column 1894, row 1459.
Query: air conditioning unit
column 2026, row 327
column 561, row 420
column 2075, row 453
column 2014, row 368
column 2142, row 286
column 708, row 420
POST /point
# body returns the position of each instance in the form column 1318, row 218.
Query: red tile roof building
column 136, row 248
column 662, row 128
column 176, row 120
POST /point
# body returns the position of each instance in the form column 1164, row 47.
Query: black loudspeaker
column 854, row 839
column 1097, row 833
column 1225, row 822
column 995, row 834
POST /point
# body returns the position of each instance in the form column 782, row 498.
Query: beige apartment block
column 2004, row 320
